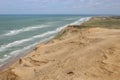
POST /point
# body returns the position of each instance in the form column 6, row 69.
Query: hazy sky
column 60, row 7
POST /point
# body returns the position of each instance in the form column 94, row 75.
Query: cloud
column 60, row 5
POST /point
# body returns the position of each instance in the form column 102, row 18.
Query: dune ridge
column 76, row 53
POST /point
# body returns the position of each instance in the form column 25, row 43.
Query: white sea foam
column 4, row 47
column 21, row 51
column 80, row 21
column 15, row 53
column 15, row 43
column 15, row 32
column 4, row 58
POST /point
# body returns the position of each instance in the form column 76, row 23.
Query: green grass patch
column 104, row 22
column 60, row 34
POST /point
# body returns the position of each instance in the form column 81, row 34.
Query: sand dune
column 75, row 54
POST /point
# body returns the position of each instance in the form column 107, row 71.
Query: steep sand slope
column 77, row 54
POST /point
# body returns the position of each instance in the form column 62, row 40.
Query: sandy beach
column 90, row 51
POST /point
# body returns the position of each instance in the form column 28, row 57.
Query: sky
column 60, row 7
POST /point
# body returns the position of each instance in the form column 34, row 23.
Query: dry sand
column 77, row 54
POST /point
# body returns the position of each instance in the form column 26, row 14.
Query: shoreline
column 8, row 64
column 87, row 51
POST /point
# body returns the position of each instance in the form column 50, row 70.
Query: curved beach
column 90, row 51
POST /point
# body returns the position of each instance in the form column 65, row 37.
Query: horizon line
column 69, row 14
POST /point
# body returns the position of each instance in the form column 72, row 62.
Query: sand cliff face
column 77, row 54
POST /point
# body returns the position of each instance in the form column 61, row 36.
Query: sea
column 21, row 33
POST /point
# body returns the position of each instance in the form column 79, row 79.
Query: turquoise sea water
column 19, row 33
